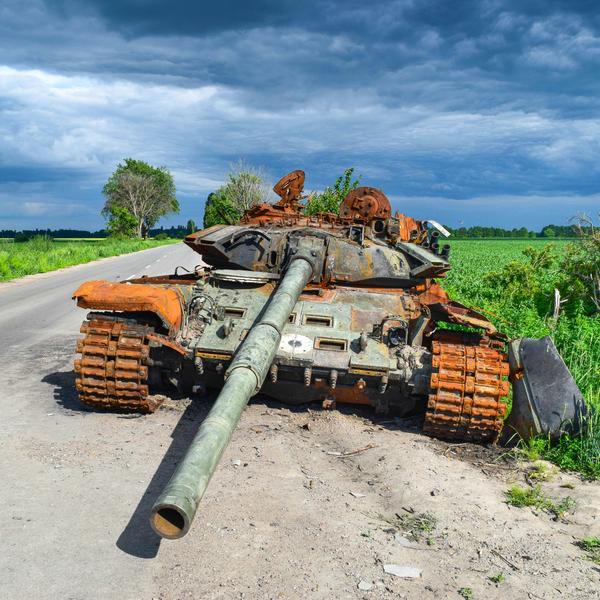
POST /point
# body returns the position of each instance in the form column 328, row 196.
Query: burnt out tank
column 334, row 309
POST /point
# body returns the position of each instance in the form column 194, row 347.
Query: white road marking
column 148, row 266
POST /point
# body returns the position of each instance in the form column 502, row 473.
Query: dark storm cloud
column 182, row 17
column 468, row 101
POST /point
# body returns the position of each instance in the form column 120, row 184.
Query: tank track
column 112, row 372
column 468, row 383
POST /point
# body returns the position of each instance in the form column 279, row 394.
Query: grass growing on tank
column 42, row 254
column 527, row 312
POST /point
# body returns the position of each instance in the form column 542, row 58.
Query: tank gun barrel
column 174, row 510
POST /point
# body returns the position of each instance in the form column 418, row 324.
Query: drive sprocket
column 467, row 387
column 112, row 372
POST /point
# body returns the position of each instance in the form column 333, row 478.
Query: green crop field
column 41, row 254
column 576, row 334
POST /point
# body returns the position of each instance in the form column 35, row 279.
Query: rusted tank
column 335, row 309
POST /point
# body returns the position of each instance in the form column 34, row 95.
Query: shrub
column 121, row 223
column 330, row 198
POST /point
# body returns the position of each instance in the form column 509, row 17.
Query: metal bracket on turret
column 311, row 248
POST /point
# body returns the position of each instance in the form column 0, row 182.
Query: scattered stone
column 400, row 571
column 364, row 586
column 404, row 541
column 357, row 494
column 236, row 463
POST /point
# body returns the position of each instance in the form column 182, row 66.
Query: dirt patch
column 317, row 503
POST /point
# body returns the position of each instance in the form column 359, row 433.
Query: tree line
column 175, row 231
column 478, row 232
column 180, row 231
column 137, row 195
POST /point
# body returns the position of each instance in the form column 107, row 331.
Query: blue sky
column 483, row 112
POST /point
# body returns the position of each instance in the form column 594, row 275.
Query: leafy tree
column 147, row 192
column 548, row 232
column 219, row 210
column 245, row 187
column 121, row 223
column 191, row 226
column 330, row 198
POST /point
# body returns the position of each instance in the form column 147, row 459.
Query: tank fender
column 165, row 302
column 455, row 312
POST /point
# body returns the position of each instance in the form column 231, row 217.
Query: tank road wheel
column 468, row 384
column 112, row 371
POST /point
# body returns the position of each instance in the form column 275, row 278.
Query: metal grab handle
column 239, row 234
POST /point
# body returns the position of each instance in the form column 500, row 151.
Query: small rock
column 357, row 494
column 405, row 572
column 403, row 541
column 236, row 463
column 435, row 492
column 364, row 586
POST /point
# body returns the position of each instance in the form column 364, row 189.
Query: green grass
column 520, row 497
column 59, row 240
column 42, row 254
column 576, row 335
column 591, row 546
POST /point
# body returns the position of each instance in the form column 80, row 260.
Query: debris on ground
column 404, row 572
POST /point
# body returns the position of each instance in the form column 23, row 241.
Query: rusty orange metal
column 163, row 301
column 345, row 394
column 468, row 384
column 112, row 370
column 409, row 227
column 435, row 293
column 365, row 204
column 289, row 188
